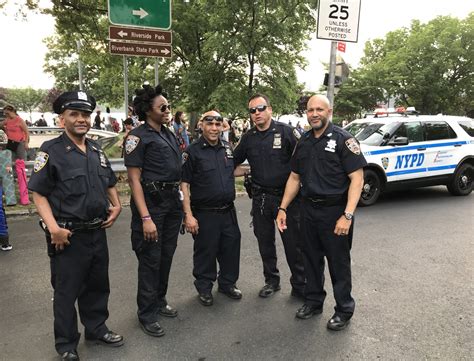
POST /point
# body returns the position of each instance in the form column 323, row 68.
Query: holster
column 248, row 184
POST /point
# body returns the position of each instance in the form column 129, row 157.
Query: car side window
column 413, row 131
column 468, row 126
column 437, row 130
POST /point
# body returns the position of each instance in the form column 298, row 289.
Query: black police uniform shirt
column 75, row 183
column 156, row 153
column 324, row 163
column 268, row 153
column 210, row 172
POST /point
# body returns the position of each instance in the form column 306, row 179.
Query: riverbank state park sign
column 154, row 14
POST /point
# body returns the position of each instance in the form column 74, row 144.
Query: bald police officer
column 74, row 191
column 208, row 186
column 268, row 147
column 153, row 162
column 328, row 164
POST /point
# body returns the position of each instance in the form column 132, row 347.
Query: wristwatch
column 348, row 215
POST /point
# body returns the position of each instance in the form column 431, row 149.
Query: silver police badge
column 228, row 153
column 131, row 143
column 353, row 145
column 331, row 146
column 277, row 141
column 40, row 161
column 184, row 157
column 385, row 163
column 103, row 160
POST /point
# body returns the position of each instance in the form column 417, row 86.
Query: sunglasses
column 210, row 118
column 260, row 108
column 164, row 107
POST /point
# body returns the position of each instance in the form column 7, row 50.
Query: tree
column 428, row 66
column 25, row 99
column 223, row 51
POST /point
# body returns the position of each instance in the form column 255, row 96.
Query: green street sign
column 154, row 14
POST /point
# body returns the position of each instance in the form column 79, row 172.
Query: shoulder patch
column 40, row 161
column 184, row 157
column 353, row 145
column 297, row 134
column 131, row 143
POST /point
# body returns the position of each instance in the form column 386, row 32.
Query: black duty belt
column 327, row 201
column 156, row 186
column 221, row 209
column 78, row 225
column 256, row 189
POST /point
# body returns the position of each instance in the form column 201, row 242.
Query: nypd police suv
column 410, row 151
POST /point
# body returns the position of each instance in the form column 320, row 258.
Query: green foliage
column 428, row 66
column 25, row 99
column 223, row 51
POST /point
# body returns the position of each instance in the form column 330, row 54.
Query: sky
column 22, row 64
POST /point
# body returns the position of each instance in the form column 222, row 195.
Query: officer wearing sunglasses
column 153, row 162
column 268, row 147
column 208, row 187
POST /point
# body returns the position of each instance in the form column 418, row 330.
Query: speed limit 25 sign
column 338, row 20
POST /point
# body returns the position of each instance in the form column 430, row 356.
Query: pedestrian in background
column 268, row 147
column 6, row 186
column 179, row 128
column 18, row 140
column 208, row 186
column 74, row 192
column 153, row 162
column 330, row 188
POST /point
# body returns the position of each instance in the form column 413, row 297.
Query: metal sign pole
column 79, row 65
column 125, row 84
column 332, row 73
column 157, row 80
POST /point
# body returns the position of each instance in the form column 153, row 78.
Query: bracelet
column 145, row 218
column 282, row 209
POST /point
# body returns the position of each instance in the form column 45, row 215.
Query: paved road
column 412, row 270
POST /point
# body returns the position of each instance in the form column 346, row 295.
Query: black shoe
column 297, row 294
column 268, row 290
column 109, row 339
column 306, row 311
column 70, row 355
column 168, row 311
column 338, row 322
column 233, row 292
column 153, row 329
column 206, row 299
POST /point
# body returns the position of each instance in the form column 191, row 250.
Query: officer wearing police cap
column 153, row 162
column 208, row 186
column 328, row 166
column 74, row 191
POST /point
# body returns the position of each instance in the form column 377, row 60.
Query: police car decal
column 40, row 161
column 131, row 143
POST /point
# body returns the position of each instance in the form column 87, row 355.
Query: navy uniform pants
column 155, row 258
column 218, row 239
column 80, row 272
column 264, row 212
column 317, row 226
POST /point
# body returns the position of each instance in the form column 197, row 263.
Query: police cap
column 74, row 100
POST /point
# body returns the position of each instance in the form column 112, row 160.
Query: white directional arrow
column 142, row 13
column 165, row 51
column 122, row 33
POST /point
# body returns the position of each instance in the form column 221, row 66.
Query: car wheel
column 461, row 182
column 372, row 188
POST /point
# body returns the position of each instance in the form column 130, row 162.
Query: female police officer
column 74, row 191
column 153, row 162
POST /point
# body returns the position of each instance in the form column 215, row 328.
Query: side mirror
column 399, row 141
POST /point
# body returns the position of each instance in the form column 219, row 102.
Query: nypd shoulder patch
column 40, row 161
column 353, row 145
column 131, row 143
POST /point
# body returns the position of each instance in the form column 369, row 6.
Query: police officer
column 268, row 147
column 329, row 165
column 74, row 191
column 208, row 186
column 153, row 162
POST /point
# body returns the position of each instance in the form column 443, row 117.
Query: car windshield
column 371, row 133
